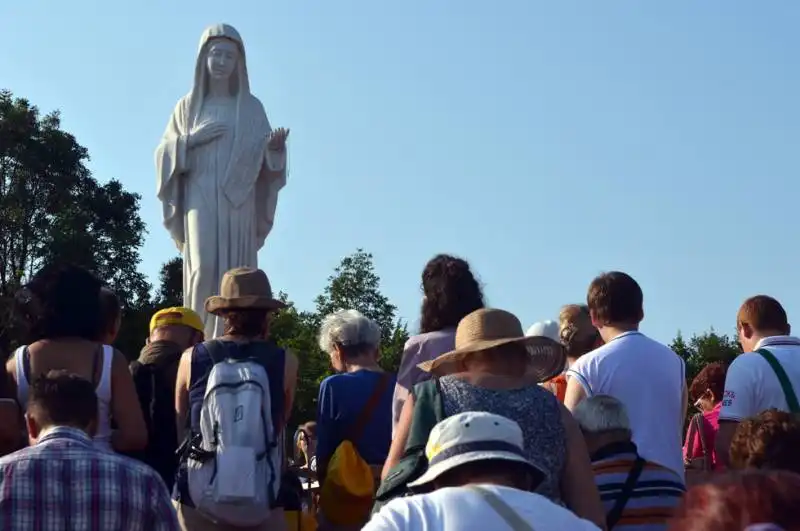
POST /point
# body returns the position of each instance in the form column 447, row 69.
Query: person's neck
column 240, row 338
column 496, row 368
column 611, row 331
column 363, row 365
column 219, row 88
column 599, row 441
column 487, row 480
column 48, row 430
column 761, row 336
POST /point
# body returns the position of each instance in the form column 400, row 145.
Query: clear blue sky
column 544, row 141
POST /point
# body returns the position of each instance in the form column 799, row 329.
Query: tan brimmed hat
column 243, row 288
column 487, row 328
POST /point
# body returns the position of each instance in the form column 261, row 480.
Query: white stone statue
column 220, row 167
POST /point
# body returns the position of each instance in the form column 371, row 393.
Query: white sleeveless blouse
column 102, row 438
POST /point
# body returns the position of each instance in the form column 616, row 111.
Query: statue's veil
column 240, row 83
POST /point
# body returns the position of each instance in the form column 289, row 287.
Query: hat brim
column 547, row 357
column 438, row 469
column 216, row 304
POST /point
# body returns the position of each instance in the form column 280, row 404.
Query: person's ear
column 746, row 330
column 595, row 321
column 337, row 359
column 34, row 430
column 710, row 396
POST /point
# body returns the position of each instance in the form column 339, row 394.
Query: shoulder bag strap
column 366, row 413
column 783, row 378
column 701, row 433
column 504, row 510
column 633, row 476
column 691, row 437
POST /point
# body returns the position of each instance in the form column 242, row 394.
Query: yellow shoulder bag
column 347, row 493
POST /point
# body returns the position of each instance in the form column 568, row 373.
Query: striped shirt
column 65, row 483
column 654, row 496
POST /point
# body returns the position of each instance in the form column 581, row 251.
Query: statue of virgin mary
column 219, row 167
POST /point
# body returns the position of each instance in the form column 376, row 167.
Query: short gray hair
column 348, row 328
column 602, row 413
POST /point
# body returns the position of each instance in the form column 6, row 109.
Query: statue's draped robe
column 219, row 198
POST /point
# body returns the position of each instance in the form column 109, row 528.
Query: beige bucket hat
column 243, row 288
column 488, row 328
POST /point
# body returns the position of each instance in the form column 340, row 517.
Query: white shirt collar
column 777, row 341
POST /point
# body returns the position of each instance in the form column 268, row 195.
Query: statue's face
column 222, row 57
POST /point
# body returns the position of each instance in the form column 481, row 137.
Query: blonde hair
column 575, row 328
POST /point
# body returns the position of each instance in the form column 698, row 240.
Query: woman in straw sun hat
column 495, row 368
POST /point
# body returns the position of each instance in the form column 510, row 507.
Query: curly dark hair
column 61, row 301
column 451, row 292
column 711, row 377
column 768, row 441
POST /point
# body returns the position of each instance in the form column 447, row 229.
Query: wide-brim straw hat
column 243, row 288
column 488, row 328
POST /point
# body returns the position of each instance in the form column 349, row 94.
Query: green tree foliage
column 170, row 290
column 703, row 349
column 699, row 351
column 355, row 285
column 52, row 209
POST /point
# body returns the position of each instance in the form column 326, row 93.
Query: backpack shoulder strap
column 627, row 489
column 354, row 433
column 691, row 437
column 783, row 378
column 428, row 411
column 216, row 350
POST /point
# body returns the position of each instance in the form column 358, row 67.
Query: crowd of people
column 579, row 422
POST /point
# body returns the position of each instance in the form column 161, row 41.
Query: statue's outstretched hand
column 277, row 139
column 205, row 133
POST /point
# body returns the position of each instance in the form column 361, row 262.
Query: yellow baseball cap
column 177, row 315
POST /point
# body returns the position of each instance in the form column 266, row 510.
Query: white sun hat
column 469, row 437
column 548, row 329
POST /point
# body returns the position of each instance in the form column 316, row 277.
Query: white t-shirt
column 648, row 378
column 461, row 509
column 751, row 385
